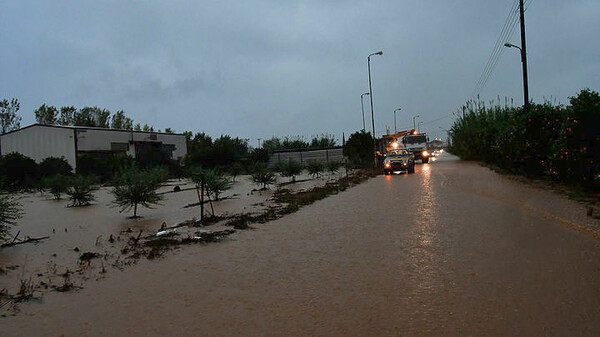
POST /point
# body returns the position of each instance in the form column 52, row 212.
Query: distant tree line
column 298, row 142
column 88, row 116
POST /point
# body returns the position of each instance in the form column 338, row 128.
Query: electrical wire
column 506, row 32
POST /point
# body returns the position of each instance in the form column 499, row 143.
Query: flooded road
column 452, row 250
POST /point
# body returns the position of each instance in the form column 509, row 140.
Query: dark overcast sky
column 256, row 69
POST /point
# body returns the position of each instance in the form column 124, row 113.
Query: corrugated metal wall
column 305, row 156
column 39, row 142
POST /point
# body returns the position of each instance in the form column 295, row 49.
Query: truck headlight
column 425, row 153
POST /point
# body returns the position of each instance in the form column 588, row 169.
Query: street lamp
column 525, row 84
column 371, row 97
column 362, row 107
column 414, row 125
column 419, row 127
column 396, row 129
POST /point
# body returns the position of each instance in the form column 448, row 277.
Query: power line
column 506, row 32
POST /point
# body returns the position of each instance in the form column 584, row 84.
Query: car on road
column 399, row 160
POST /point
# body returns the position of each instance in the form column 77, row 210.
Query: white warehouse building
column 41, row 141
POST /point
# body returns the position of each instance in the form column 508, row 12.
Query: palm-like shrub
column 262, row 175
column 217, row 183
column 81, row 191
column 292, row 169
column 279, row 166
column 10, row 212
column 315, row 168
column 133, row 188
column 334, row 166
column 57, row 185
column 235, row 170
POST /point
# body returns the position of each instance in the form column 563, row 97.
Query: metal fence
column 305, row 156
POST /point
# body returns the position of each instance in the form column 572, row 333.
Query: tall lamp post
column 362, row 107
column 419, row 127
column 523, row 50
column 395, row 128
column 415, row 125
column 371, row 97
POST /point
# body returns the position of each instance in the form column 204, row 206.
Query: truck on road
column 417, row 144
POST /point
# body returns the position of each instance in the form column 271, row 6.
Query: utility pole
column 371, row 97
column 524, row 58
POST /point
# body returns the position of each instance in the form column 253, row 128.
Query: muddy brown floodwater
column 452, row 250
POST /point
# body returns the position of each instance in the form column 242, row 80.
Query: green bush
column 279, row 166
column 81, row 190
column 18, row 171
column 262, row 175
column 56, row 185
column 133, row 188
column 291, row 169
column 216, row 183
column 104, row 166
column 315, row 168
column 555, row 141
column 235, row 170
column 51, row 166
column 334, row 166
column 259, row 155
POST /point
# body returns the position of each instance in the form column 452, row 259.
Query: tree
column 118, row 120
column 133, row 188
column 9, row 120
column 323, row 141
column 294, row 143
column 46, row 115
column 66, row 115
column 198, row 176
column 10, row 212
column 261, row 155
column 227, row 149
column 272, row 144
column 262, row 175
column 137, row 127
column 128, row 124
column 92, row 116
column 359, row 149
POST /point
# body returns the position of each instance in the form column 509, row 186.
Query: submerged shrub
column 262, row 175
column 57, row 185
column 81, row 191
column 133, row 188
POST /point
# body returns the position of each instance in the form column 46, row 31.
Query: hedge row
column 547, row 140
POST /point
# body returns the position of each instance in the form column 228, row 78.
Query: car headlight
column 387, row 165
column 425, row 153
